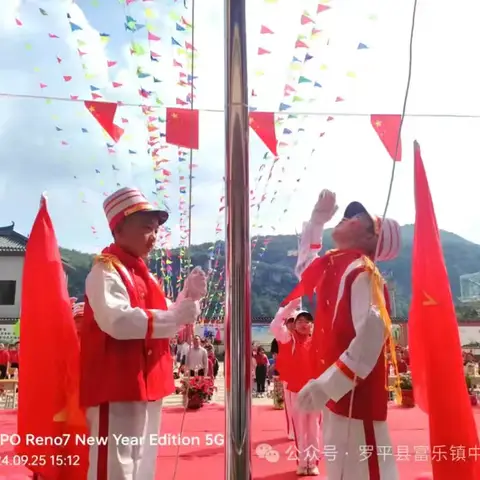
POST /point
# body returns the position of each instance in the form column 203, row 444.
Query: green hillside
column 272, row 268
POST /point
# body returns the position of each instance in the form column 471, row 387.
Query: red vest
column 331, row 339
column 123, row 370
column 296, row 367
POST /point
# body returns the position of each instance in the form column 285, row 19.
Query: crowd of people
column 9, row 360
column 195, row 358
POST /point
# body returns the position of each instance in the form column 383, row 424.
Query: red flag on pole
column 263, row 124
column 388, row 128
column 182, row 127
column 48, row 405
column 104, row 114
column 434, row 346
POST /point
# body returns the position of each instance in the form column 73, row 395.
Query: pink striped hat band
column 127, row 201
column 78, row 309
column 388, row 230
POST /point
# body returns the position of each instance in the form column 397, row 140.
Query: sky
column 55, row 146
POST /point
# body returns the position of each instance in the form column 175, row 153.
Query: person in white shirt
column 182, row 351
column 197, row 359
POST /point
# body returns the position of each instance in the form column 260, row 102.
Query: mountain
column 273, row 262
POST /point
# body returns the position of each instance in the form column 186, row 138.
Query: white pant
column 287, row 396
column 306, row 428
column 132, row 458
column 359, row 449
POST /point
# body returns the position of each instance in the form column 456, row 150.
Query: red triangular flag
column 322, row 8
column 104, row 114
column 152, row 37
column 48, row 332
column 300, row 44
column 438, row 349
column 262, row 51
column 111, row 63
column 304, row 20
column 179, row 101
column 117, row 85
column 339, row 99
column 388, row 128
column 67, row 78
column 263, row 124
column 265, row 30
column 182, row 127
column 73, row 97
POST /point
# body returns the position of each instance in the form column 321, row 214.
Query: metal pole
column 238, row 313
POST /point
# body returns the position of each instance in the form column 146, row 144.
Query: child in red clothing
column 261, row 369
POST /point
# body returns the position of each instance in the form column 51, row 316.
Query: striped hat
column 127, row 201
column 78, row 309
column 389, row 241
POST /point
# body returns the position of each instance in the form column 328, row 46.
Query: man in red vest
column 352, row 325
column 126, row 365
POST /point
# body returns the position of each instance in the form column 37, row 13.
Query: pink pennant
column 81, row 53
column 322, row 8
column 18, row 22
column 265, row 30
column 339, row 99
column 73, row 97
column 129, row 1
column 329, row 119
column 111, row 63
column 262, row 51
column 117, row 85
column 304, row 20
column 64, row 142
column 154, row 55
column 300, row 44
column 96, row 96
column 153, row 38
column 59, row 60
column 67, row 78
column 124, row 120
column 43, row 85
column 52, row 35
column 189, row 46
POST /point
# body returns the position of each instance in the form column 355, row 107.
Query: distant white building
column 13, row 246
column 12, row 254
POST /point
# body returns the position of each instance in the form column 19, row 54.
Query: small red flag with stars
column 263, row 124
column 48, row 403
column 434, row 346
column 182, row 127
column 388, row 130
column 104, row 114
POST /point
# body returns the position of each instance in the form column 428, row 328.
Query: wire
column 389, row 195
column 279, row 113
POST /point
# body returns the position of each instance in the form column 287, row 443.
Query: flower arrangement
column 197, row 390
column 406, row 385
column 406, row 381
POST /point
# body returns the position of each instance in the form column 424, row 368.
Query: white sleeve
column 364, row 350
column 113, row 313
column 278, row 327
column 310, row 246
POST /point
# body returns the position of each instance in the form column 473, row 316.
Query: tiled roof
column 11, row 241
column 8, row 321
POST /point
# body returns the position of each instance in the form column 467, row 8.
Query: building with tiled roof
column 12, row 252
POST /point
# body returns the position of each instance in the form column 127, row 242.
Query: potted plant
column 406, row 386
column 196, row 390
column 473, row 397
column 278, row 394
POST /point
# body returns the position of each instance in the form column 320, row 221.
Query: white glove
column 325, row 208
column 185, row 311
column 196, row 284
column 311, row 397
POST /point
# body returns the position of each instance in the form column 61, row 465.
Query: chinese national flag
column 48, row 406
column 435, row 348
column 263, row 124
column 388, row 128
column 182, row 127
column 104, row 114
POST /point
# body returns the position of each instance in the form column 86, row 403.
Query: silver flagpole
column 238, row 314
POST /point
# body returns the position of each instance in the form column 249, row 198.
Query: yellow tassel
column 108, row 260
column 379, row 301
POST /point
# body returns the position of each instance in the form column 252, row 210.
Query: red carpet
column 205, row 429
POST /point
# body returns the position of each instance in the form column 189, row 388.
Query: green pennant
column 138, row 49
column 297, row 99
column 304, row 80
